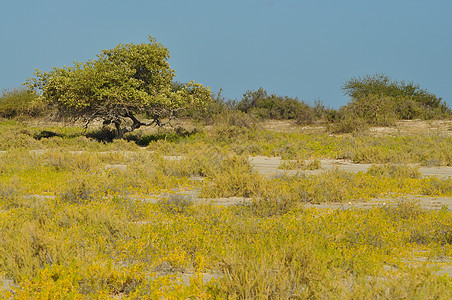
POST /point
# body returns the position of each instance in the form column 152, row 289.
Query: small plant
column 437, row 187
column 275, row 201
column 313, row 165
column 175, row 203
column 395, row 171
column 79, row 191
column 291, row 164
column 405, row 209
column 300, row 164
column 11, row 189
column 235, row 178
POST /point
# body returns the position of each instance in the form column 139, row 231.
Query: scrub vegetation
column 87, row 219
column 112, row 211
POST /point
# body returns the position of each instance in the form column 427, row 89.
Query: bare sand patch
column 269, row 166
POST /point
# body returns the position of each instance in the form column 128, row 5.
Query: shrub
column 175, row 203
column 437, row 187
column 20, row 102
column 233, row 124
column 348, row 123
column 235, row 178
column 374, row 109
column 300, row 164
column 210, row 113
column 264, row 106
column 274, row 198
column 404, row 209
column 323, row 113
column 394, row 171
column 380, row 100
column 79, row 191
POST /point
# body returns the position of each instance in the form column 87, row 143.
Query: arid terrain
column 227, row 212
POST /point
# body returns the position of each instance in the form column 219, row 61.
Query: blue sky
column 304, row 49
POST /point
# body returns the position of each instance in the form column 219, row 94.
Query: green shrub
column 348, row 123
column 234, row 125
column 380, row 100
column 300, row 164
column 20, row 102
column 210, row 113
column 264, row 106
column 274, row 198
column 323, row 113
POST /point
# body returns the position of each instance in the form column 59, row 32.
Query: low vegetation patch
column 83, row 218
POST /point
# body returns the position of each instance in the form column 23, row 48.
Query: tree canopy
column 121, row 84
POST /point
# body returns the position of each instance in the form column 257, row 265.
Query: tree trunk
column 119, row 131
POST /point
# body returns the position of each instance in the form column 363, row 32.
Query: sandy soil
column 269, row 166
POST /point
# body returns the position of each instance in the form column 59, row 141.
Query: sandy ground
column 269, row 166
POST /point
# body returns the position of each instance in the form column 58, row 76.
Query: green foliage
column 121, row 83
column 379, row 100
column 347, row 122
column 20, row 102
column 211, row 112
column 265, row 106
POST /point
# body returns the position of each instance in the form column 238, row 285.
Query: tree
column 120, row 85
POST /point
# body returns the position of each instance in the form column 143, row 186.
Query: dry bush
column 437, row 187
column 78, row 191
column 176, row 204
column 395, row 171
column 234, row 178
column 300, row 164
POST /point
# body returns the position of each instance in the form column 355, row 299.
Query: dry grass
column 76, row 220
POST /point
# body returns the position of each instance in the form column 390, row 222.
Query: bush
column 209, row 114
column 348, row 123
column 234, row 178
column 374, row 110
column 394, row 171
column 323, row 113
column 175, row 203
column 264, row 106
column 20, row 102
column 437, row 187
column 79, row 191
column 379, row 100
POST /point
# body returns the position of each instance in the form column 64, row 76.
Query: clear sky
column 297, row 48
